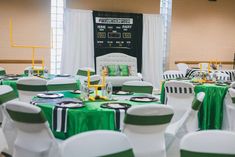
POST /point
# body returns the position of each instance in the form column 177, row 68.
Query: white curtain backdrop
column 78, row 41
column 152, row 68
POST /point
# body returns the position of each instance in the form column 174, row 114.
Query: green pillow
column 124, row 70
column 113, row 70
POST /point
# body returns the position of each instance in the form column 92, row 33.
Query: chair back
column 62, row 84
column 179, row 95
column 2, row 71
column 182, row 67
column 229, row 110
column 208, row 143
column 34, row 138
column 138, row 87
column 172, row 74
column 29, row 87
column 97, row 143
column 188, row 123
column 145, row 125
column 7, row 94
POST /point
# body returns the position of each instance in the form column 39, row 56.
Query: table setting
column 211, row 113
column 66, row 119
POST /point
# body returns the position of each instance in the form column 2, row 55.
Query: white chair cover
column 29, row 87
column 188, row 123
column 138, row 87
column 7, row 94
column 34, row 137
column 62, row 84
column 229, row 111
column 213, row 143
column 97, row 143
column 145, row 126
column 172, row 74
column 182, row 67
column 179, row 95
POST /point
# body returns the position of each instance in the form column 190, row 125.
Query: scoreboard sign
column 118, row 32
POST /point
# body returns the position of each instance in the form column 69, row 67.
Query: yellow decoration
column 200, row 67
column 33, row 47
column 96, row 87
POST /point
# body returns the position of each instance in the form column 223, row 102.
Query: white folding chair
column 182, row 67
column 138, row 87
column 97, row 143
column 213, row 143
column 2, row 71
column 29, row 87
column 145, row 126
column 61, row 84
column 179, row 95
column 34, row 137
column 229, row 111
column 9, row 132
column 188, row 123
column 203, row 66
column 172, row 74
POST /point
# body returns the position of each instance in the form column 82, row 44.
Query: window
column 166, row 12
column 57, row 18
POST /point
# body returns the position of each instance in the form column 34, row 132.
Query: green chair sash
column 126, row 153
column 147, row 120
column 7, row 97
column 93, row 82
column 84, row 73
column 138, row 89
column 2, row 72
column 61, row 87
column 27, row 117
column 31, row 87
column 196, row 104
column 186, row 153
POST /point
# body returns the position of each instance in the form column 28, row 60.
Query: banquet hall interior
column 111, row 78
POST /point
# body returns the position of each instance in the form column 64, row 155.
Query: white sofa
column 118, row 59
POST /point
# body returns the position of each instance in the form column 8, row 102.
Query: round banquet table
column 90, row 117
column 210, row 116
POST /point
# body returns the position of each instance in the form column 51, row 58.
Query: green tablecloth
column 90, row 117
column 211, row 113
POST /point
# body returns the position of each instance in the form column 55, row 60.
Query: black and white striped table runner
column 59, row 119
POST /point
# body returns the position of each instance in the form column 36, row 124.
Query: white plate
column 50, row 95
column 116, row 105
column 143, row 99
column 76, row 92
column 71, row 105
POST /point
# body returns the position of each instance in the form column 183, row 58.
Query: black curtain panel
column 118, row 32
